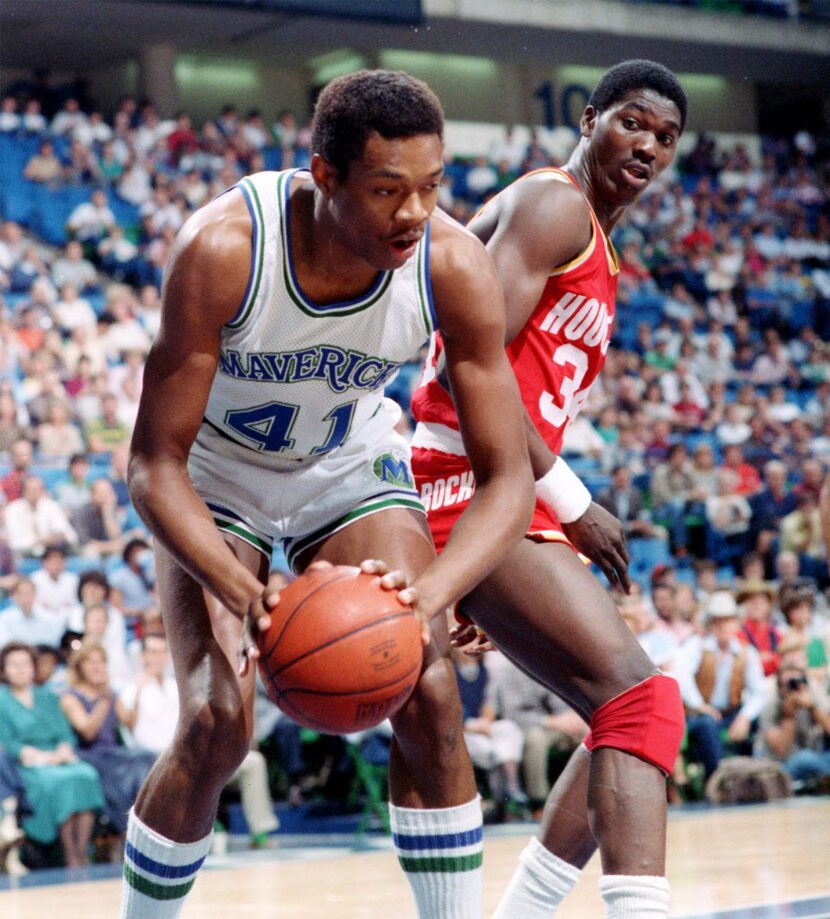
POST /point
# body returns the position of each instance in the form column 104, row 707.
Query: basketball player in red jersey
column 548, row 236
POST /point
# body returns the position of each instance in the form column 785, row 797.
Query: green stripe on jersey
column 156, row 891
column 301, row 544
column 243, row 533
column 441, row 864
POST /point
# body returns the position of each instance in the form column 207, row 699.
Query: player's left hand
column 601, row 537
column 469, row 638
column 396, row 580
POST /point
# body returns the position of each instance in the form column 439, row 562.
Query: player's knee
column 624, row 665
column 646, row 721
column 433, row 708
column 215, row 735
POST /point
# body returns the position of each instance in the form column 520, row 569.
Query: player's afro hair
column 622, row 78
column 350, row 108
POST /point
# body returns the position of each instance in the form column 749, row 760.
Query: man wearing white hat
column 721, row 682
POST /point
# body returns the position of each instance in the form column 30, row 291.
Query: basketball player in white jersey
column 288, row 303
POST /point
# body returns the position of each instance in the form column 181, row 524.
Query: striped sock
column 634, row 896
column 158, row 873
column 440, row 851
column 538, row 886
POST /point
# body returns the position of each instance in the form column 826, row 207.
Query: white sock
column 634, row 897
column 158, row 873
column 440, row 851
column 539, row 884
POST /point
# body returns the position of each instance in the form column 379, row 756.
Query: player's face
column 631, row 143
column 382, row 207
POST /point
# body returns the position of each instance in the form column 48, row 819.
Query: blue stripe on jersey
column 442, row 841
column 246, row 194
column 428, row 282
column 157, row 868
column 218, row 509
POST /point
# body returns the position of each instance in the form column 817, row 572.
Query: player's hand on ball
column 396, row 580
column 257, row 619
column 601, row 537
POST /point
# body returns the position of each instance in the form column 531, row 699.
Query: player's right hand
column 257, row 619
column 600, row 536
column 396, row 580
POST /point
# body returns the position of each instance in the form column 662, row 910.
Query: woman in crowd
column 63, row 792
column 95, row 713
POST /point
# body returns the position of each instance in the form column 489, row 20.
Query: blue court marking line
column 809, row 908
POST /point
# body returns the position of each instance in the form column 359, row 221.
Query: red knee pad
column 646, row 721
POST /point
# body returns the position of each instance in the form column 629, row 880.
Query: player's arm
column 204, row 285
column 470, row 312
column 538, row 224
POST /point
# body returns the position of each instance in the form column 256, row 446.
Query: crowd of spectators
column 708, row 433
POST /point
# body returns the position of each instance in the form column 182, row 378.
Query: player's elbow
column 137, row 478
column 518, row 496
column 527, row 501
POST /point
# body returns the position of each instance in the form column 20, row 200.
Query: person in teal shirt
column 63, row 793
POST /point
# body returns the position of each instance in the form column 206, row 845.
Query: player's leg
column 546, row 611
column 169, row 830
column 436, row 814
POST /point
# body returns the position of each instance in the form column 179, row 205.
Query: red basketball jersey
column 559, row 352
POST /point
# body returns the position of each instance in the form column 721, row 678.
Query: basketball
column 342, row 653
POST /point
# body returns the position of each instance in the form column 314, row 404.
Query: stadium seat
column 645, row 553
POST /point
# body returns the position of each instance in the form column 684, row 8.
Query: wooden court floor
column 759, row 862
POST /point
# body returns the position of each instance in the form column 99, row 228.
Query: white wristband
column 563, row 492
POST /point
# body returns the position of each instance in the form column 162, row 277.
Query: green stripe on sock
column 438, row 864
column 156, row 891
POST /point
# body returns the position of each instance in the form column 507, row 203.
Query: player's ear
column 588, row 121
column 324, row 174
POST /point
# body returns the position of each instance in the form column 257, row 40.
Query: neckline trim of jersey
column 292, row 285
column 597, row 232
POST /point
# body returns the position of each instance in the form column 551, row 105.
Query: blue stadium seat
column 595, row 482
column 52, row 475
column 77, row 564
column 802, row 314
column 28, row 566
column 685, row 575
column 644, row 554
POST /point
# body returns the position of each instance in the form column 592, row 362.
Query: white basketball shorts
column 264, row 499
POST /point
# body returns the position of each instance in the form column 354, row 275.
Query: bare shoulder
column 453, row 248
column 464, row 283
column 211, row 258
column 538, row 203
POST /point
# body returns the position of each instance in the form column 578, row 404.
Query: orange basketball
column 341, row 654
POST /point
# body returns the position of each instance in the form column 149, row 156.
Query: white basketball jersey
column 295, row 378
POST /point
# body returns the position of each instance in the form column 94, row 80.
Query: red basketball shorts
column 446, row 484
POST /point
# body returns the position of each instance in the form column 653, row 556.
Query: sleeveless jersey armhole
column 254, row 206
column 425, row 298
